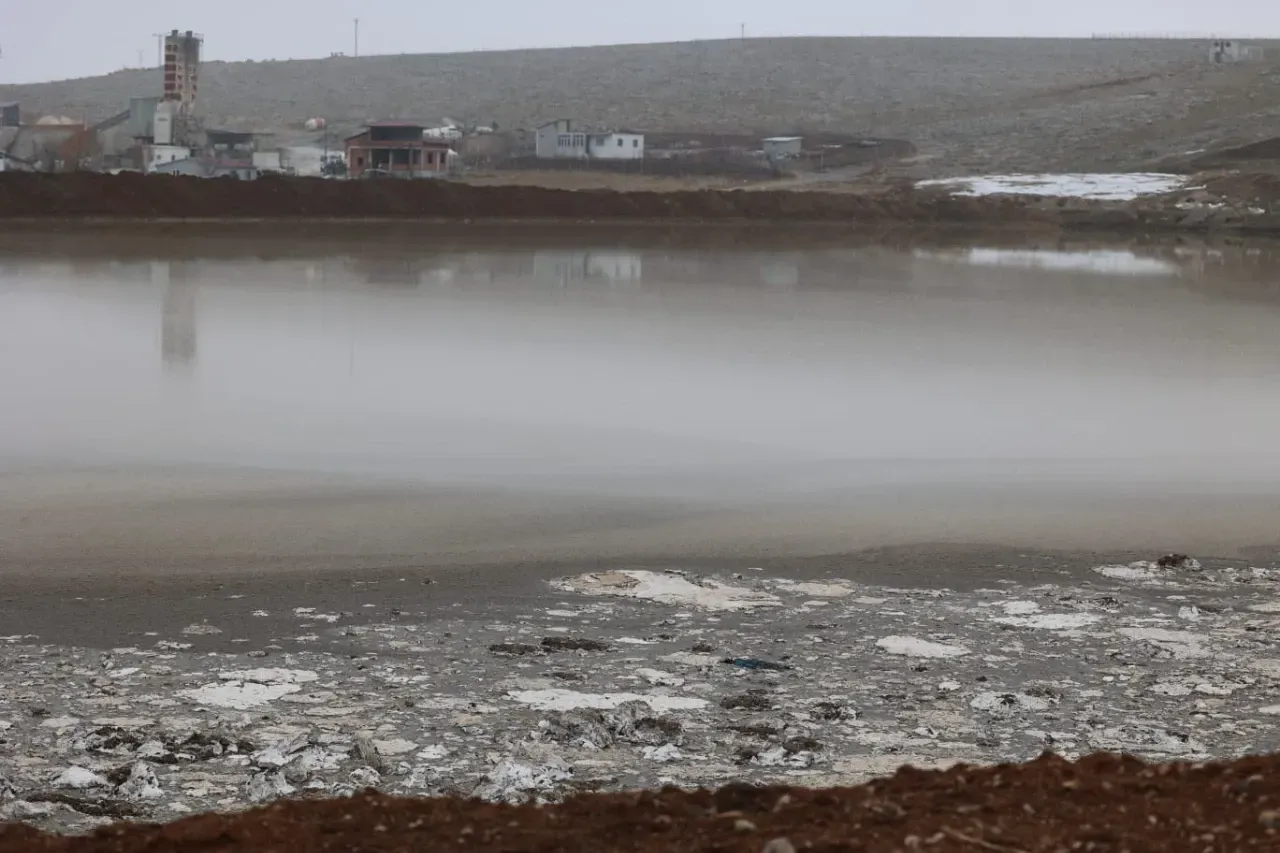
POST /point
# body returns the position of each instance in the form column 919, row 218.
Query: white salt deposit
column 667, row 588
column 1008, row 703
column 395, row 746
column 237, row 695
column 1269, row 607
column 556, row 699
column 1137, row 572
column 1026, row 614
column 691, row 659
column 1180, row 644
column 817, row 590
column 660, row 678
column 666, row 752
column 80, row 779
column 512, row 780
column 270, row 675
column 913, row 647
column 142, row 784
column 1096, row 186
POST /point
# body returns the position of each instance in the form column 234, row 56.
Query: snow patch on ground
column 1008, row 703
column 1142, row 572
column 815, row 590
column 1085, row 185
column 1027, row 614
column 249, row 688
column 237, row 695
column 667, row 588
column 1179, row 644
column 80, row 779
column 556, row 699
column 913, row 647
column 512, row 781
column 270, row 675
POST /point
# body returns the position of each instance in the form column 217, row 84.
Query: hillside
column 967, row 103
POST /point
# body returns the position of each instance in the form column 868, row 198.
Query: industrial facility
column 157, row 133
column 176, row 118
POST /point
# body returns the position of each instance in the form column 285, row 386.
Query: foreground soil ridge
column 86, row 194
column 90, row 196
column 1102, row 802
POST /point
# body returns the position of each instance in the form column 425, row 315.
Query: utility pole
column 356, row 51
column 744, row 32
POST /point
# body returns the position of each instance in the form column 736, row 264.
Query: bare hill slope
column 975, row 103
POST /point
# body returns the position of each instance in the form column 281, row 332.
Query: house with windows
column 396, row 149
column 560, row 140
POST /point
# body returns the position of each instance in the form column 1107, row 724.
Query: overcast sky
column 77, row 38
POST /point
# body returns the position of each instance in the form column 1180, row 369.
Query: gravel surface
column 622, row 680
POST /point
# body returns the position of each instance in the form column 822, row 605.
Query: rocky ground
column 622, row 680
column 970, row 105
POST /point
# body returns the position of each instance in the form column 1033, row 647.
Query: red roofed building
column 398, row 149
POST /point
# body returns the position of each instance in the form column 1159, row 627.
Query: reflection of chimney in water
column 178, row 316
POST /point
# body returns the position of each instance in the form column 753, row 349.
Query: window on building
column 564, row 140
column 619, row 143
column 359, row 161
column 635, row 143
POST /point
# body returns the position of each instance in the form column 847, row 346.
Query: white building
column 1226, row 51
column 268, row 161
column 618, row 145
column 154, row 156
column 557, row 140
column 162, row 121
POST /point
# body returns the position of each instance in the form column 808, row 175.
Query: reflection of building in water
column 559, row 269
column 781, row 272
column 403, row 270
column 178, row 315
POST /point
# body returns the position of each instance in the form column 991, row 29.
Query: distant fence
column 701, row 164
column 1170, row 37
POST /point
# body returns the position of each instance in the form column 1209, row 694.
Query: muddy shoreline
column 619, row 680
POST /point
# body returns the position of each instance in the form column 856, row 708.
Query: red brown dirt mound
column 87, row 194
column 1103, row 803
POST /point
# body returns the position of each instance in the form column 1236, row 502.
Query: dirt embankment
column 1101, row 803
column 24, row 196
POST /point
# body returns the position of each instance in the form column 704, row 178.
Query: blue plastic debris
column 756, row 663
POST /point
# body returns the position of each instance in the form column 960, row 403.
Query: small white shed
column 618, row 145
column 1227, row 51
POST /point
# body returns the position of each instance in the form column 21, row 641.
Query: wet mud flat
column 625, row 680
